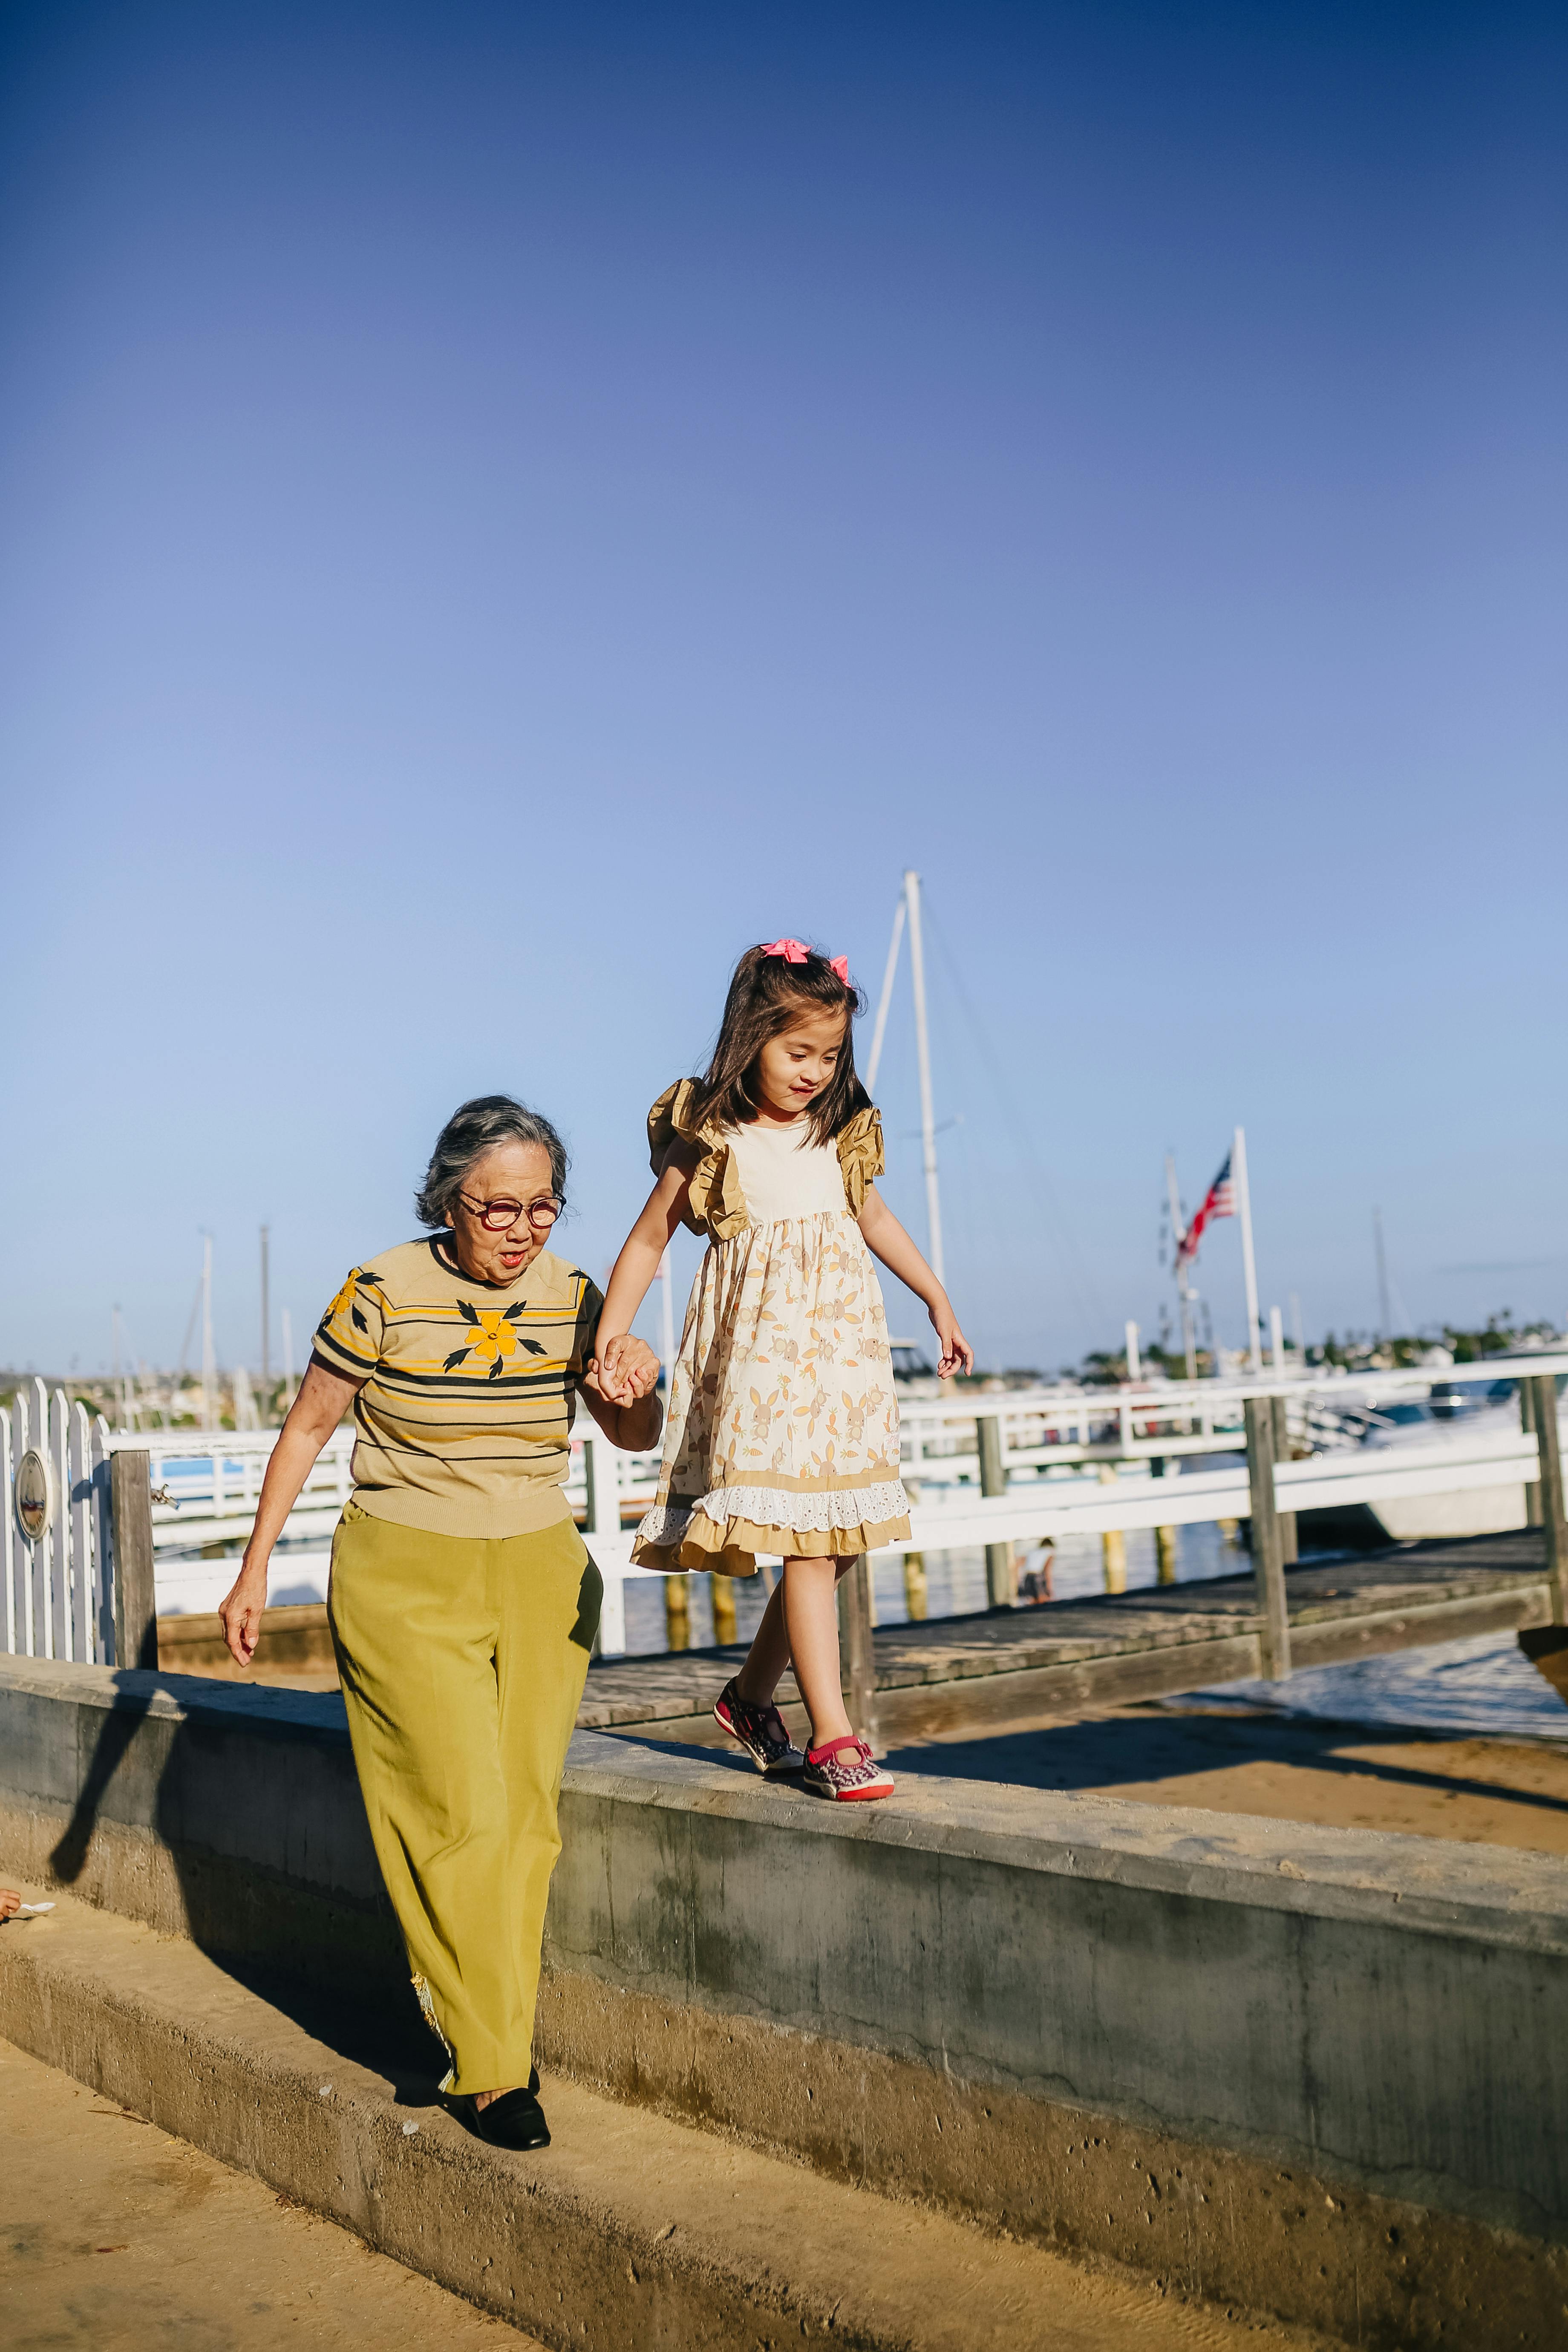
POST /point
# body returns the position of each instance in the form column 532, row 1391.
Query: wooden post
column 677, row 1613
column 602, row 1492
column 860, row 1660
column 915, row 1595
column 1001, row 1585
column 1267, row 1560
column 1553, row 1526
column 1533, row 1514
column 1165, row 1538
column 1288, row 1551
column 135, row 1594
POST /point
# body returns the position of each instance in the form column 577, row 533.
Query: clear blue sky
column 501, row 506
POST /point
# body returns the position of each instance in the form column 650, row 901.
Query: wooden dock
column 1013, row 1670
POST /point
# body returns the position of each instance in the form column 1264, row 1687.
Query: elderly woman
column 464, row 1604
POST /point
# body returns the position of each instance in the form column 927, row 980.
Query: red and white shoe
column 759, row 1730
column 845, row 1770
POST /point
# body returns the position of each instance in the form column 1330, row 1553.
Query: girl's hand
column 625, row 1371
column 957, row 1355
column 240, row 1614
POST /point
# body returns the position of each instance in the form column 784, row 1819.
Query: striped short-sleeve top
column 465, row 1417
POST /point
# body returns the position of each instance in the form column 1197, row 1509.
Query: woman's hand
column 957, row 1355
column 240, row 1614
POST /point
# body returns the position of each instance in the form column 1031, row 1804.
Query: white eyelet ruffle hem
column 851, row 1507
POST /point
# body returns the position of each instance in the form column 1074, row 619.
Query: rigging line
column 875, row 1064
column 1076, row 1267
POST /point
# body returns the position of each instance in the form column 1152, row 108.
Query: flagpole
column 1178, row 1230
column 922, row 1049
column 1248, row 1264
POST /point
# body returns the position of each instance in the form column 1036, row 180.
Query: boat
column 1465, row 1414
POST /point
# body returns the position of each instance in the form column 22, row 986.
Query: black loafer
column 515, row 2120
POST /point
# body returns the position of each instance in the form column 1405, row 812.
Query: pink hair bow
column 797, row 952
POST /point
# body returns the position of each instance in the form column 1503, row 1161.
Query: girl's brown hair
column 767, row 995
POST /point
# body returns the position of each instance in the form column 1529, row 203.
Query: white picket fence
column 59, row 1590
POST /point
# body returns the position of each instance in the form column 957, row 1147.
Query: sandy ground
column 114, row 2235
column 1482, row 1791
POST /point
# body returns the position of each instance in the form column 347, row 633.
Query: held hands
column 957, row 1355
column 625, row 1371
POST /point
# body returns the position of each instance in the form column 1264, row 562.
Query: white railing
column 59, row 1597
column 1053, row 1445
column 206, row 1482
column 1043, row 1428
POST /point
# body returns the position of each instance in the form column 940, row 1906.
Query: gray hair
column 474, row 1128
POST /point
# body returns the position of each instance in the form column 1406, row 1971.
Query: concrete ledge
column 631, row 2234
column 1308, row 2071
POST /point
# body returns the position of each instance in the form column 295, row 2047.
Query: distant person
column 463, row 1602
column 782, row 1432
column 1039, row 1583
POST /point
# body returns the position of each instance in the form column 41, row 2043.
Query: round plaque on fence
column 35, row 1494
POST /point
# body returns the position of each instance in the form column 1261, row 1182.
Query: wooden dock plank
column 957, row 1677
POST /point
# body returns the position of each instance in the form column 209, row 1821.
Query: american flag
column 1219, row 1201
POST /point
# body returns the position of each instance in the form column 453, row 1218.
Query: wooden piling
column 1165, row 1538
column 1113, row 1542
column 1532, row 1513
column 135, row 1593
column 602, row 1498
column 1268, row 1554
column 677, row 1613
column 722, row 1591
column 1553, row 1526
column 915, row 1595
column 1288, row 1549
column 1001, row 1582
column 860, row 1658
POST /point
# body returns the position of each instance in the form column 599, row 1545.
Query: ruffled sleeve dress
column 782, row 1434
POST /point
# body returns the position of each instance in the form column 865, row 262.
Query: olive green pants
column 462, row 1664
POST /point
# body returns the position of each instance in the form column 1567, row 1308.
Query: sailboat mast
column 266, row 1314
column 209, row 1358
column 923, row 1050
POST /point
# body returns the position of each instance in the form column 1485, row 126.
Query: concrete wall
column 1284, row 2064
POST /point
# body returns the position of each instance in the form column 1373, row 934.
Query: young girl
column 783, row 1426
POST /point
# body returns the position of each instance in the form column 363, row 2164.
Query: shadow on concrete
column 1103, row 1753
column 329, row 1956
column 120, row 1725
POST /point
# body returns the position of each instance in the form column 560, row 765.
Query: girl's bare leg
column 768, row 1657
column 800, row 1625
